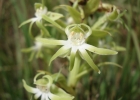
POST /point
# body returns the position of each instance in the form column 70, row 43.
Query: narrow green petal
column 26, row 22
column 26, row 50
column 72, row 57
column 50, row 80
column 99, row 51
column 28, row 88
column 109, row 63
column 88, row 59
column 45, row 41
column 30, row 29
column 32, row 56
column 36, row 76
column 45, row 31
column 60, row 52
column 52, row 22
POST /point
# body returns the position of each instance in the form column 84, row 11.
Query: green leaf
column 60, row 52
column 52, row 22
column 99, row 51
column 72, row 57
column 32, row 56
column 91, row 6
column 88, row 59
column 54, row 16
column 45, row 31
column 45, row 41
column 100, row 33
column 28, row 88
column 109, row 63
column 74, row 13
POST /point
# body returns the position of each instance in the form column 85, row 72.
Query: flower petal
column 99, row 51
column 37, row 95
column 60, row 52
column 88, row 59
column 26, row 22
column 45, row 41
column 72, row 57
column 43, row 97
column 28, row 88
column 30, row 29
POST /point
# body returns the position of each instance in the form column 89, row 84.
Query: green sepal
column 41, row 82
column 61, row 51
column 109, row 63
column 91, row 6
column 73, row 12
column 59, row 94
column 54, row 16
column 45, row 41
column 37, row 5
column 114, row 15
column 100, row 51
column 88, row 59
column 52, row 22
column 45, row 31
column 28, row 88
column 38, row 74
column 72, row 57
column 99, row 33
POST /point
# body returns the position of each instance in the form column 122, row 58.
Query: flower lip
column 76, row 38
column 40, row 11
column 78, row 28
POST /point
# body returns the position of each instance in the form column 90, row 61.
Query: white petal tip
column 99, row 72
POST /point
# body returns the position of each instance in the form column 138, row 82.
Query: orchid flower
column 40, row 14
column 46, row 90
column 77, row 35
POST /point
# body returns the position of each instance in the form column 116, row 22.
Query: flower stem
column 72, row 80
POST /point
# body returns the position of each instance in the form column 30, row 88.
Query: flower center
column 76, row 38
column 43, row 88
column 40, row 11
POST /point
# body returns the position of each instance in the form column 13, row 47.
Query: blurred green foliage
column 112, row 84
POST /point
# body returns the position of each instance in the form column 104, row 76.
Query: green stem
column 74, row 72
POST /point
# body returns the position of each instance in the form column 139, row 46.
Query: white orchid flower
column 40, row 14
column 46, row 90
column 76, row 43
